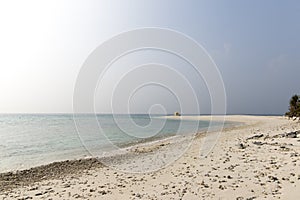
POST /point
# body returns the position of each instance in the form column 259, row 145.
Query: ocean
column 28, row 140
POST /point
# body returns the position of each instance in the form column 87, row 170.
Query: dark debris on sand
column 56, row 170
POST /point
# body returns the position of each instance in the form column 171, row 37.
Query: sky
column 254, row 44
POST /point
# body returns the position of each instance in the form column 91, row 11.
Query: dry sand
column 257, row 160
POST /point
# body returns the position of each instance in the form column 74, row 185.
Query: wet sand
column 257, row 160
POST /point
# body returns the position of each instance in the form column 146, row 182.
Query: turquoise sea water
column 28, row 140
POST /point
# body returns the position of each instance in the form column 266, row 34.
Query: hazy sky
column 43, row 44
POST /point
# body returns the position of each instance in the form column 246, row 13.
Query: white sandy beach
column 266, row 166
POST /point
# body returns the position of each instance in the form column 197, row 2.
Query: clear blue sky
column 43, row 44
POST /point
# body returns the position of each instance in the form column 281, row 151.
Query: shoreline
column 53, row 170
column 79, row 153
column 257, row 137
column 124, row 148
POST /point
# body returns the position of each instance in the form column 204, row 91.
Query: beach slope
column 256, row 160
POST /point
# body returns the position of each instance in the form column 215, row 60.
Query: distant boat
column 177, row 114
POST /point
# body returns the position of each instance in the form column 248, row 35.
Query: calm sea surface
column 28, row 140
